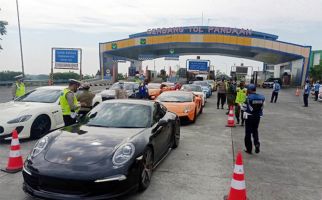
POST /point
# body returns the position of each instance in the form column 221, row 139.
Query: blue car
column 205, row 87
column 207, row 91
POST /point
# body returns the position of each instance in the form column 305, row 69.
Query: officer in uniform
column 18, row 88
column 69, row 103
column 276, row 89
column 221, row 93
column 85, row 98
column 121, row 93
column 253, row 107
column 316, row 90
column 240, row 99
column 231, row 94
column 306, row 93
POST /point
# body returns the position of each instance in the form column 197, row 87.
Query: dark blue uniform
column 253, row 112
column 306, row 94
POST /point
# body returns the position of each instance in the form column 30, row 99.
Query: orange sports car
column 167, row 86
column 154, row 90
column 184, row 104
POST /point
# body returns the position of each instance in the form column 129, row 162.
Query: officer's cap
column 20, row 76
column 74, row 81
column 86, row 85
column 251, row 87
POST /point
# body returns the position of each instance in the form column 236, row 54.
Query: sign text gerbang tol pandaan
column 200, row 30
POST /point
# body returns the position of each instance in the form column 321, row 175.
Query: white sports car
column 34, row 114
column 197, row 90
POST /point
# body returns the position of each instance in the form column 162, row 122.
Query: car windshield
column 194, row 88
column 41, row 96
column 120, row 115
column 203, row 83
column 116, row 86
column 168, row 84
column 154, row 86
column 175, row 97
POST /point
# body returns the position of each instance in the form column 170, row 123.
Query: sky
column 83, row 24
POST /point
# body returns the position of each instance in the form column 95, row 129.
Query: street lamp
column 21, row 54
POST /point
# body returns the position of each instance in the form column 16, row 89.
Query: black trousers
column 274, row 97
column 306, row 100
column 316, row 95
column 221, row 98
column 251, row 129
column 239, row 113
column 68, row 120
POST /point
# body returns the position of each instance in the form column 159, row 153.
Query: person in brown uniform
column 121, row 93
column 85, row 98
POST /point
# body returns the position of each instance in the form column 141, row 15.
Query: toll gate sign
column 66, row 58
column 198, row 65
column 242, row 70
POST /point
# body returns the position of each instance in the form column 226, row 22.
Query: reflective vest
column 64, row 103
column 241, row 95
column 20, row 89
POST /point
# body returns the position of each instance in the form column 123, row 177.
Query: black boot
column 257, row 150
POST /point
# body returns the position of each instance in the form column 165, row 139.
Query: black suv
column 270, row 82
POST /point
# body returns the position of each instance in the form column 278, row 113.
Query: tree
column 66, row 76
column 3, row 29
column 8, row 75
column 316, row 72
column 220, row 75
column 120, row 76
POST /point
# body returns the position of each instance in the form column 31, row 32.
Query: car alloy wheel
column 146, row 170
column 40, row 127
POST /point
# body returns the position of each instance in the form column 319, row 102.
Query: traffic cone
column 297, row 92
column 238, row 186
column 231, row 117
column 15, row 162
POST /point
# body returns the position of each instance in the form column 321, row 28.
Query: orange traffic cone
column 238, row 186
column 15, row 162
column 297, row 92
column 231, row 117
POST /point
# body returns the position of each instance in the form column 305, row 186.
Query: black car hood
column 84, row 145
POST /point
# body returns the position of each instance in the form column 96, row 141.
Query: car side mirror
column 162, row 122
column 92, row 115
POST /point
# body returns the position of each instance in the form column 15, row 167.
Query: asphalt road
column 289, row 166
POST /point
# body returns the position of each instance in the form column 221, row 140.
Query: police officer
column 306, row 93
column 69, row 103
column 316, row 90
column 231, row 93
column 240, row 99
column 18, row 88
column 253, row 107
column 221, row 93
column 85, row 98
column 121, row 93
column 276, row 89
column 143, row 91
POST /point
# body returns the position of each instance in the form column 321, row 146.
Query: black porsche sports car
column 111, row 153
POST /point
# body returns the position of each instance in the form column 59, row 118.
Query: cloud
column 83, row 23
column 135, row 16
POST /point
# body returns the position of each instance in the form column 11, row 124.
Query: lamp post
column 21, row 54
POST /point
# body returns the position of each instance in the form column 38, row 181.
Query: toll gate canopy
column 207, row 40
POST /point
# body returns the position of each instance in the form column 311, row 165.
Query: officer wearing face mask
column 69, row 103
